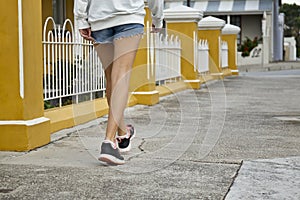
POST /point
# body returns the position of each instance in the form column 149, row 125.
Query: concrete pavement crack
column 140, row 148
column 142, row 143
column 215, row 162
column 233, row 179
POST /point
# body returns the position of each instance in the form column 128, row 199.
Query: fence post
column 142, row 81
column 22, row 122
column 229, row 34
column 182, row 21
column 210, row 30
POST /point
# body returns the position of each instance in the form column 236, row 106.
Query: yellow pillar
column 69, row 10
column 229, row 34
column 22, row 125
column 183, row 22
column 210, row 30
column 142, row 82
column 46, row 10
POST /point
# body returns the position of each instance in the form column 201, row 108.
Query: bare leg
column 124, row 55
column 121, row 127
column 106, row 55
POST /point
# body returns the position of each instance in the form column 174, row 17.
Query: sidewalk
column 271, row 67
column 232, row 139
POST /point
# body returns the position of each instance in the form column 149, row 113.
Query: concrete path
column 277, row 178
column 233, row 139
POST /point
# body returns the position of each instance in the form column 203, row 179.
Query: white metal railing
column 72, row 69
column 224, row 47
column 167, row 58
column 203, row 56
column 195, row 45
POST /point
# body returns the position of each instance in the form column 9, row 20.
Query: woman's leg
column 124, row 55
column 106, row 55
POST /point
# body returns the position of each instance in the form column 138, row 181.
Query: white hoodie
column 102, row 14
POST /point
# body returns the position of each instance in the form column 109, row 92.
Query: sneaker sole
column 129, row 146
column 111, row 159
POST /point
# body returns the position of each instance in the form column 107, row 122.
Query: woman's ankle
column 110, row 139
column 121, row 132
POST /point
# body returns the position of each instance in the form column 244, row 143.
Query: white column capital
column 230, row 29
column 211, row 23
column 182, row 14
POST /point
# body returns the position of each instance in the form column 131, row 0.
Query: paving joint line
column 215, row 162
column 233, row 180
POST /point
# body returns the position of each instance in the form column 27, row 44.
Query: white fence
column 72, row 70
column 203, row 56
column 224, row 54
column 167, row 58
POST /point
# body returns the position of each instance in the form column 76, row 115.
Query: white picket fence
column 72, row 70
column 203, row 56
column 224, row 47
column 167, row 58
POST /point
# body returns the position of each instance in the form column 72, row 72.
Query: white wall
column 290, row 49
column 255, row 57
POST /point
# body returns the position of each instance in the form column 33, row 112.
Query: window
column 191, row 3
column 236, row 20
column 224, row 17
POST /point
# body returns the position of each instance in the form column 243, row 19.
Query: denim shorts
column 117, row 32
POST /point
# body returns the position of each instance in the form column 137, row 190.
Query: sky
column 291, row 1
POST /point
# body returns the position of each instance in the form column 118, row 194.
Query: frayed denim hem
column 112, row 34
column 130, row 36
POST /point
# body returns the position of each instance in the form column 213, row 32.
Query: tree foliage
column 292, row 22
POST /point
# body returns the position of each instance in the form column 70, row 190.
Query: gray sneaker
column 110, row 153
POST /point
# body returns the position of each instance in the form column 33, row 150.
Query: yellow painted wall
column 142, row 80
column 213, row 37
column 11, row 104
column 24, row 138
column 69, row 7
column 185, row 33
column 139, row 81
column 10, row 101
column 232, row 49
column 12, row 135
column 46, row 10
column 72, row 115
column 32, row 33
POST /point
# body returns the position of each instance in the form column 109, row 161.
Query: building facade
column 256, row 18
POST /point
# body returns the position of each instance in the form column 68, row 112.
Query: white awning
column 228, row 6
